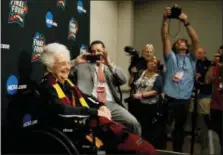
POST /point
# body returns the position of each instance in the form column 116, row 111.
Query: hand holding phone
column 81, row 59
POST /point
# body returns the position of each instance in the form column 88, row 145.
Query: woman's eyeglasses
column 64, row 63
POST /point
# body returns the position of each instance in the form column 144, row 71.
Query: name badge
column 178, row 76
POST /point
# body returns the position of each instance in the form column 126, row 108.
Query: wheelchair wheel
column 46, row 142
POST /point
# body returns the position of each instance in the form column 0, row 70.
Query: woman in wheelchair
column 61, row 96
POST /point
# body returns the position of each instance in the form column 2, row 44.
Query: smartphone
column 93, row 58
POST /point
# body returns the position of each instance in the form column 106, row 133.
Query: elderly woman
column 61, row 96
column 145, row 99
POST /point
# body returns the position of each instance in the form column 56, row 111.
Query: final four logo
column 38, row 45
column 18, row 10
column 61, row 3
column 73, row 28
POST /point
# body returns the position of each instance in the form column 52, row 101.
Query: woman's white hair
column 51, row 51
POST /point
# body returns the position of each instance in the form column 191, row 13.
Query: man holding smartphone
column 96, row 75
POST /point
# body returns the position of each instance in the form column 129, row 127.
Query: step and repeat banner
column 29, row 25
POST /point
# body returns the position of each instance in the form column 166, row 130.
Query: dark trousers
column 152, row 130
column 177, row 111
column 214, row 122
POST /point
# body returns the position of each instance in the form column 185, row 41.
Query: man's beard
column 149, row 58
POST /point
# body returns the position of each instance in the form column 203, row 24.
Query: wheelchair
column 33, row 130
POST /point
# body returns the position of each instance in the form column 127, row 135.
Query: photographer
column 180, row 73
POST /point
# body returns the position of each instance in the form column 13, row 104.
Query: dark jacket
column 202, row 68
column 50, row 100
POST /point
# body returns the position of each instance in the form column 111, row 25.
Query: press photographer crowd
column 160, row 93
column 161, row 96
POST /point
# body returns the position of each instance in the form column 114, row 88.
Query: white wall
column 104, row 24
column 205, row 16
column 120, row 23
column 125, row 34
column 112, row 22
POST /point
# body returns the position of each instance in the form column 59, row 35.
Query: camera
column 175, row 12
column 131, row 51
column 134, row 54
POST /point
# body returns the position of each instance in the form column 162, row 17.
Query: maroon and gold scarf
column 61, row 95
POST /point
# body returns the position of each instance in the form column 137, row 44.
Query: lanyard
column 184, row 62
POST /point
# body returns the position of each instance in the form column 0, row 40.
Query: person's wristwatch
column 186, row 23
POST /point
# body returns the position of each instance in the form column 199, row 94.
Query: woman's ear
column 49, row 70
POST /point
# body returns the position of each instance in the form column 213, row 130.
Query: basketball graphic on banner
column 18, row 10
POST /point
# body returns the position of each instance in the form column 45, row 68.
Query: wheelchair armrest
column 73, row 116
column 79, row 120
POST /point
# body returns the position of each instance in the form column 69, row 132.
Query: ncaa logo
column 12, row 84
column 49, row 20
column 27, row 120
column 80, row 7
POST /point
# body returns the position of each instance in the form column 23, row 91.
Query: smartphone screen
column 93, row 58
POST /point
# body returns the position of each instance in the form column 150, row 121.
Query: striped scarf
column 61, row 95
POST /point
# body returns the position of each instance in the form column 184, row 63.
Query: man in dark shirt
column 202, row 67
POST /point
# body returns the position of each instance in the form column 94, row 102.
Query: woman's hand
column 133, row 69
column 137, row 96
column 103, row 111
